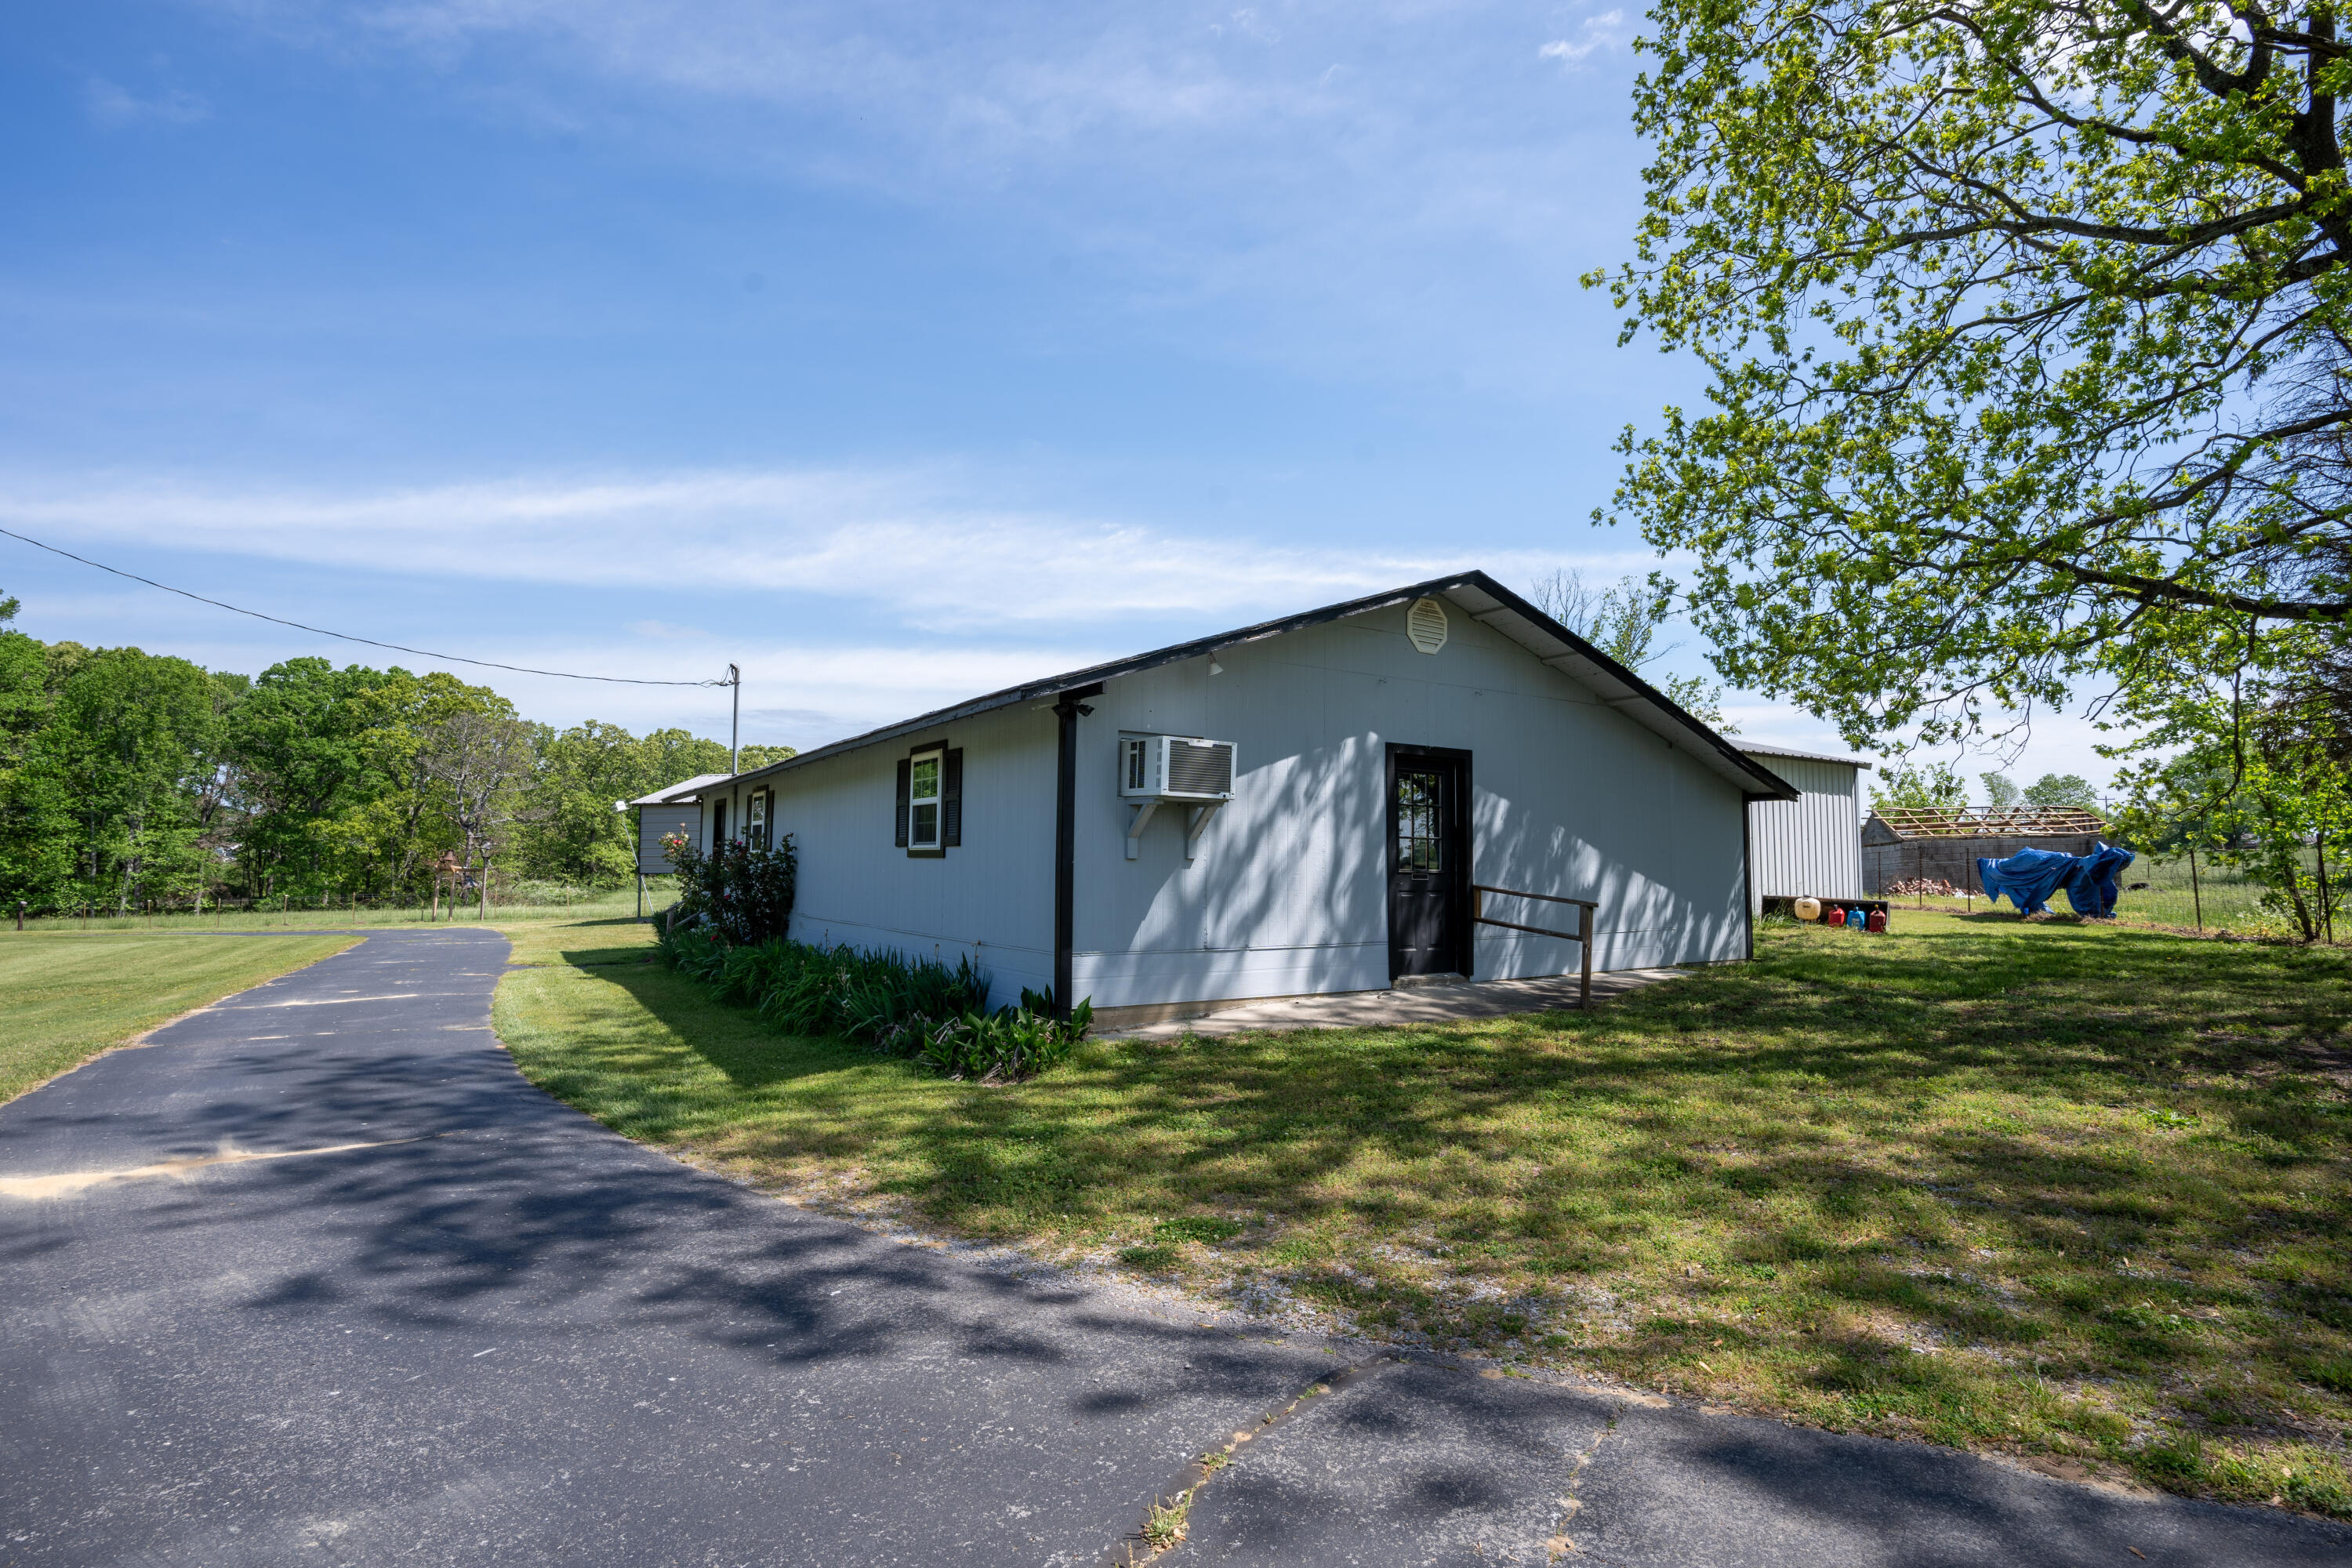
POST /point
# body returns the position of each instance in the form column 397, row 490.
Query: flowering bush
column 740, row 894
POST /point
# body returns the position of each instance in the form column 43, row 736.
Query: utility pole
column 735, row 722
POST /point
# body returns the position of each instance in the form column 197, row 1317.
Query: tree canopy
column 2026, row 327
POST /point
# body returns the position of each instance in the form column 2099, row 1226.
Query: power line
column 346, row 636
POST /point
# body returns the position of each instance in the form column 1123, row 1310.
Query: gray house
column 1326, row 802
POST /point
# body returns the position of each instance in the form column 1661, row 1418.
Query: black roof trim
column 1771, row 787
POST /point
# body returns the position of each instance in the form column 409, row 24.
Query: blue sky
column 895, row 351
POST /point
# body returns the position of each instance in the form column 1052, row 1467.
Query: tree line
column 130, row 780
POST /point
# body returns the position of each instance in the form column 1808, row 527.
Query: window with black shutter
column 905, row 772
column 951, row 798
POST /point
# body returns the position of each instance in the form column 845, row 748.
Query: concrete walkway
column 317, row 1278
column 1432, row 1004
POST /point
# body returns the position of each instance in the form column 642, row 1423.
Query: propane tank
column 1878, row 921
column 1806, row 908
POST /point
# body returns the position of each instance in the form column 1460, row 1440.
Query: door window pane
column 1420, row 845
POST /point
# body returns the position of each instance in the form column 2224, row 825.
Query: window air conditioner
column 1173, row 770
column 1175, row 767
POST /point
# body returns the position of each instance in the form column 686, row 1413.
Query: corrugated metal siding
column 1810, row 846
column 657, row 822
column 1954, row 860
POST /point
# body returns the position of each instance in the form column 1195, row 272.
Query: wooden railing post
column 1584, row 941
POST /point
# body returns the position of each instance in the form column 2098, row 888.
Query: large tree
column 2026, row 323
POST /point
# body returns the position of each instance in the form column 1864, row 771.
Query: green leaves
column 2008, row 310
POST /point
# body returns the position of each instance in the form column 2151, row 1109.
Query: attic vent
column 1425, row 625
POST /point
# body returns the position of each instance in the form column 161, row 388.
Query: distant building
column 1903, row 844
column 1809, row 847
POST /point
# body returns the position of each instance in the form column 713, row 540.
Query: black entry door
column 1429, row 861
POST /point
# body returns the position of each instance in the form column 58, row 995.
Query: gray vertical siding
column 992, row 898
column 1810, row 846
column 1289, row 894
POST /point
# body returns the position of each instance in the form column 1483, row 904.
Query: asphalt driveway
column 318, row 1278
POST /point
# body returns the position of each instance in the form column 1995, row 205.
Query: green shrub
column 916, row 1007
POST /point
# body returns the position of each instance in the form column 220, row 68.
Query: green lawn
column 65, row 996
column 2061, row 1190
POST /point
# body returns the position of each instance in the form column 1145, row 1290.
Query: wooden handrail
column 1581, row 935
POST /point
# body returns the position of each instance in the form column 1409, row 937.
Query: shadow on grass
column 1856, row 1117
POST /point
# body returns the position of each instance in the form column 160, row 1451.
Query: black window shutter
column 905, row 786
column 951, row 798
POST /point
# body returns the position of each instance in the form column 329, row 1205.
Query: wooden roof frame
column 1989, row 822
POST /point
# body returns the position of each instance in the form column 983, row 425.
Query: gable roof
column 1478, row 595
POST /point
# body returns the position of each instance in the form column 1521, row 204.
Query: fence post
column 1584, row 942
column 2196, row 893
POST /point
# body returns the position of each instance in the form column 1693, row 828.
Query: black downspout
column 1065, row 841
column 1748, row 870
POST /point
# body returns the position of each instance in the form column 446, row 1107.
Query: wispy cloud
column 1605, row 31
column 928, row 552
column 114, row 105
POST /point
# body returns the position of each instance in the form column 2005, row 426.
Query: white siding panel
column 1810, row 846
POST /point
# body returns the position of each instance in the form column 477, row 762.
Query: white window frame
column 937, row 800
column 755, row 817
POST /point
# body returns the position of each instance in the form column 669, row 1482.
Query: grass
column 2060, row 1190
column 67, row 997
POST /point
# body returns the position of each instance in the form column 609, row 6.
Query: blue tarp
column 2029, row 877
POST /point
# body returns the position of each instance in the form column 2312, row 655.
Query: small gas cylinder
column 1806, row 908
column 1878, row 921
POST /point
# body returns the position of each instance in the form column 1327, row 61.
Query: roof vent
column 1424, row 623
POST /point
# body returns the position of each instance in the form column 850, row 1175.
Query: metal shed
column 1906, row 843
column 677, row 809
column 1810, row 846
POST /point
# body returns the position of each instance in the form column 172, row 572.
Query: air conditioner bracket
column 1143, row 810
column 1196, row 822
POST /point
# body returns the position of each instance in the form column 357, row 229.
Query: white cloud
column 932, row 551
column 114, row 105
column 1604, row 31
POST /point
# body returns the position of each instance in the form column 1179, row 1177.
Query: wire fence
column 523, row 903
column 2175, row 892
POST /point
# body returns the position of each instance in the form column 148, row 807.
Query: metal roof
column 685, row 794
column 1477, row 595
column 1807, row 757
column 1987, row 821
